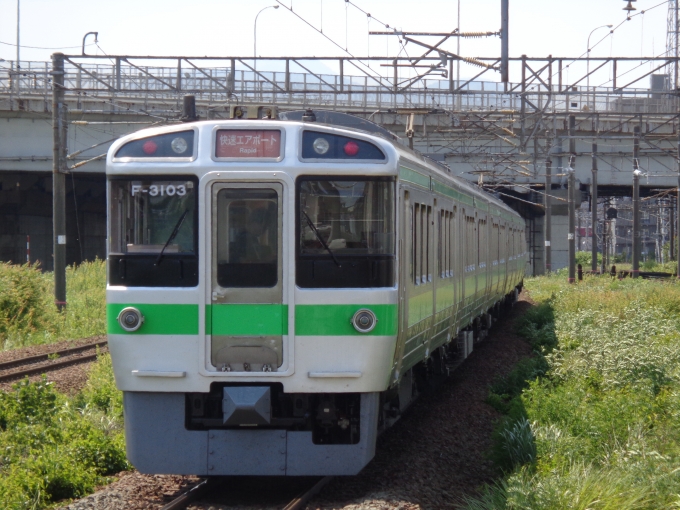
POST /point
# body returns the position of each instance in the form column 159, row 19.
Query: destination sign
column 248, row 143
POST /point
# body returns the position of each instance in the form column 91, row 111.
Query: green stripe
column 406, row 174
column 335, row 320
column 247, row 319
column 445, row 190
column 158, row 319
column 450, row 192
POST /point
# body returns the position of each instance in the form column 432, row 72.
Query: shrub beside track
column 592, row 420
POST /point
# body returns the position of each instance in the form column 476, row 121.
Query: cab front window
column 153, row 232
column 346, row 233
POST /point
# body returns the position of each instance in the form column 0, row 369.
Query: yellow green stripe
column 406, row 174
column 247, row 319
column 335, row 320
column 158, row 319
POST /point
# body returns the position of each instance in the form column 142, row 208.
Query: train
column 280, row 289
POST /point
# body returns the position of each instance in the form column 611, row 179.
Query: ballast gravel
column 69, row 380
column 433, row 457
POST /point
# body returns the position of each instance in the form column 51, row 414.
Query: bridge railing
column 121, row 80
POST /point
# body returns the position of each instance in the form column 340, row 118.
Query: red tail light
column 351, row 148
column 149, row 147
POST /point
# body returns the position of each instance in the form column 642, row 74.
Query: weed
column 56, row 448
column 27, row 312
column 602, row 395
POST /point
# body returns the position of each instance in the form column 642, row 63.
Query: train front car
column 252, row 295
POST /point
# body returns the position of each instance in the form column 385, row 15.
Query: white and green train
column 279, row 290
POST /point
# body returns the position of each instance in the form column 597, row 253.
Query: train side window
column 445, row 237
column 473, row 243
column 479, row 252
column 412, row 254
column 416, row 243
column 422, row 239
column 452, row 240
column 482, row 245
column 440, row 247
column 427, row 275
column 448, row 243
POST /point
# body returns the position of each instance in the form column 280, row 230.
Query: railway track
column 47, row 362
column 210, row 486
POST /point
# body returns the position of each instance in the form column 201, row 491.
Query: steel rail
column 46, row 357
column 200, row 489
column 188, row 497
column 301, row 500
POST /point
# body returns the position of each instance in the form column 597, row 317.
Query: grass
column 592, row 420
column 28, row 315
column 55, row 448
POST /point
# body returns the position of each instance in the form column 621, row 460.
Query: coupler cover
column 246, row 405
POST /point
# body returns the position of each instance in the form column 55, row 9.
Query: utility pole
column 593, row 211
column 18, row 42
column 671, row 244
column 548, row 213
column 59, row 180
column 636, row 203
column 572, row 199
column 505, row 51
column 678, row 200
column 579, row 240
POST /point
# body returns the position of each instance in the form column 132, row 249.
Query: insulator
column 476, row 62
column 478, row 34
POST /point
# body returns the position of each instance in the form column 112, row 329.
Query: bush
column 603, row 401
column 513, row 444
column 585, row 258
column 21, row 297
column 55, row 447
column 27, row 311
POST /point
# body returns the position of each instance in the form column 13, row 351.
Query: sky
column 538, row 28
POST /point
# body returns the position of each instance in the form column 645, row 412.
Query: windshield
column 146, row 212
column 346, row 217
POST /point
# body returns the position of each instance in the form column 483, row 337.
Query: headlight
column 321, row 146
column 130, row 319
column 364, row 320
column 179, row 145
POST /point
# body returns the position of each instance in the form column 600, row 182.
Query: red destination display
column 247, row 143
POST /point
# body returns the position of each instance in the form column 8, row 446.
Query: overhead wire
column 612, row 31
column 368, row 70
column 45, row 48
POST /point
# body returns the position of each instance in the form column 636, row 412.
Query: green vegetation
column 27, row 311
column 592, row 420
column 650, row 264
column 585, row 258
column 56, row 447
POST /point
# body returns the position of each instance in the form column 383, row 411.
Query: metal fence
column 122, row 80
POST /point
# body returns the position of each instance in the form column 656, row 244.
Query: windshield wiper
column 172, row 236
column 318, row 236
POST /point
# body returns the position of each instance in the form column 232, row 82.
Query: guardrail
column 299, row 83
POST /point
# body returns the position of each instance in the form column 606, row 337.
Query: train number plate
column 248, row 143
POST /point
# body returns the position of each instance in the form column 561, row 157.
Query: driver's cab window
column 247, row 251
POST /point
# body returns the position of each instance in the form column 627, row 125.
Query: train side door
column 405, row 269
column 247, row 319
